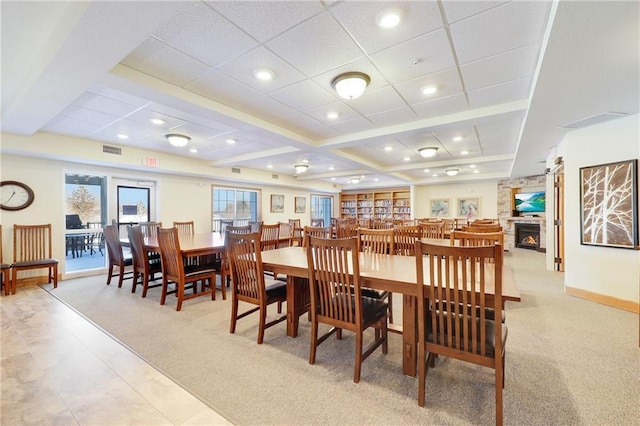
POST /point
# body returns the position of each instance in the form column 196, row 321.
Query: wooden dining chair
column 482, row 228
column 297, row 230
column 377, row 241
column 285, row 234
column 467, row 334
column 463, row 238
column 337, row 300
column 347, row 230
column 143, row 267
column 405, row 238
column 174, row 270
column 222, row 262
column 269, row 237
column 116, row 256
column 256, row 225
column 5, row 270
column 184, row 228
column 432, row 230
column 150, row 229
column 315, row 231
column 32, row 249
column 249, row 284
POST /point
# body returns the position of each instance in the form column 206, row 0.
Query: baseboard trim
column 626, row 305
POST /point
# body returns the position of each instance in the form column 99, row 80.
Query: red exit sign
column 150, row 162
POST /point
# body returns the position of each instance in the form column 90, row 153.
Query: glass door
column 85, row 214
column 134, row 203
column 322, row 208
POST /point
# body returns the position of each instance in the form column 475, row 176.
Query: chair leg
column 314, row 341
column 110, row 274
column 234, row 315
column 422, row 373
column 223, row 288
column 358, row 362
column 134, row 281
column 55, row 276
column 165, row 289
column 263, row 321
column 390, row 301
column 180, row 292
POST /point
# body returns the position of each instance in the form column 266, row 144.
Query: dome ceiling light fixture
column 354, row 180
column 350, row 85
column 301, row 168
column 177, row 140
column 452, row 172
column 429, row 151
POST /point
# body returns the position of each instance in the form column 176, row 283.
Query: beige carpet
column 569, row 361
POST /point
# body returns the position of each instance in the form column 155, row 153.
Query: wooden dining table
column 200, row 244
column 379, row 271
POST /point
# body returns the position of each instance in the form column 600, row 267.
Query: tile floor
column 58, row 368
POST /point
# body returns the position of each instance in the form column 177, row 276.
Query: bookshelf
column 388, row 204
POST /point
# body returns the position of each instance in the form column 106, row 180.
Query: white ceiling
column 510, row 74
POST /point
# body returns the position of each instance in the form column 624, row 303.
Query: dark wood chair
column 185, row 228
column 117, row 258
column 432, row 230
column 150, row 229
column 32, row 250
column 5, row 271
column 378, row 241
column 296, row 227
column 347, row 230
column 248, row 281
column 174, row 270
column 465, row 334
column 143, row 266
column 269, row 237
column 285, row 234
column 221, row 263
column 337, row 300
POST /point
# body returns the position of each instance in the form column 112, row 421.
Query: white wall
column 487, row 192
column 605, row 271
column 179, row 197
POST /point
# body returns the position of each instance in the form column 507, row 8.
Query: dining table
column 393, row 273
column 191, row 245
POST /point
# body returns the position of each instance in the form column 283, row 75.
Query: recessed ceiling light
column 435, row 175
column 388, row 148
column 122, row 136
column 305, row 161
column 407, row 158
column 476, row 171
column 193, row 151
column 157, row 121
column 332, row 115
column 375, row 180
column 472, row 166
column 263, row 74
column 426, row 170
column 464, row 152
column 333, row 178
column 457, row 138
column 429, row 89
column 452, row 172
column 331, row 168
column 269, row 166
column 389, row 18
column 231, row 141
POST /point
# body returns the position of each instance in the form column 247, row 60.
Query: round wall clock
column 15, row 195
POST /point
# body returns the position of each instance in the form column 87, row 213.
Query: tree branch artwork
column 609, row 204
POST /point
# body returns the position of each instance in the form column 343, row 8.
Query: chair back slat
column 245, row 261
column 170, row 254
column 472, row 239
column 285, row 234
column 31, row 242
column 482, row 228
column 138, row 253
column 405, row 238
column 347, row 230
column 333, row 290
column 378, row 241
column 269, row 237
column 150, row 229
column 432, row 230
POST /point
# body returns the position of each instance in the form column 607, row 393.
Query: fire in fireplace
column 527, row 235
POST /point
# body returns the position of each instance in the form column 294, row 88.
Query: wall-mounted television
column 530, row 202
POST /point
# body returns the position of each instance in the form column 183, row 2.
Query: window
column 322, row 208
column 238, row 205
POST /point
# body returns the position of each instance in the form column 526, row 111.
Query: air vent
column 275, row 177
column 235, row 170
column 111, row 149
column 590, row 121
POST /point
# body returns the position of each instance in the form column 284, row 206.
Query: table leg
column 409, row 335
column 297, row 302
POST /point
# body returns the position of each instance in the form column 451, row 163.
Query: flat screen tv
column 530, row 202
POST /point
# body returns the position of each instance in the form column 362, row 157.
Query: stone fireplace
column 527, row 236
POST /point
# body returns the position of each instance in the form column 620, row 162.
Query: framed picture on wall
column 277, row 203
column 469, row 207
column 440, row 207
column 300, row 205
column 609, row 204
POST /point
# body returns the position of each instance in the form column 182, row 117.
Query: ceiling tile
column 457, row 10
column 497, row 30
column 377, row 101
column 103, row 104
column 326, row 46
column 507, row 66
column 222, row 88
column 266, row 19
column 203, row 34
column 448, row 82
column 499, row 93
column 359, row 19
column 441, row 106
column 303, row 95
column 159, row 60
column 423, row 55
column 396, row 116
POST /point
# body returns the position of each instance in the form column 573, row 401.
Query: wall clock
column 15, row 195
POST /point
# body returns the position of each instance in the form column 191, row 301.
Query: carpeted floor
column 568, row 361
